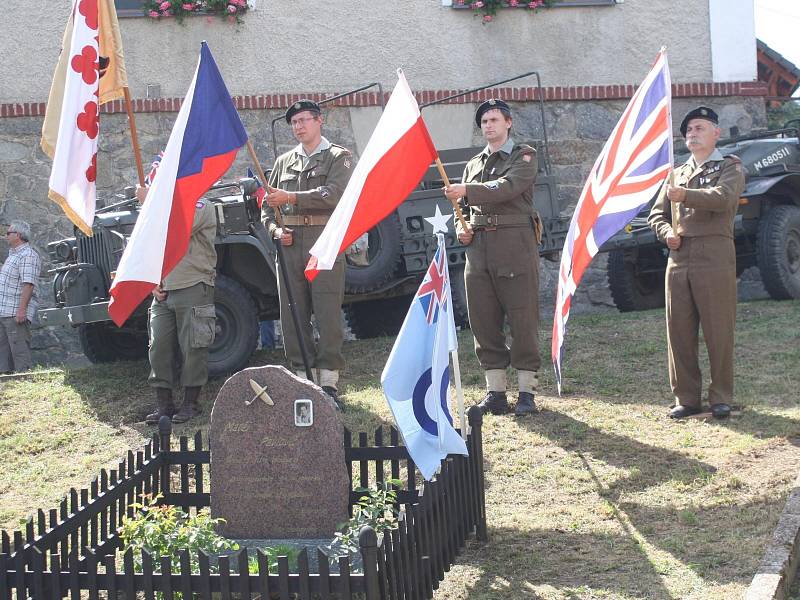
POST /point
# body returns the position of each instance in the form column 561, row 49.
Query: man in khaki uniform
column 502, row 271
column 693, row 215
column 182, row 321
column 305, row 185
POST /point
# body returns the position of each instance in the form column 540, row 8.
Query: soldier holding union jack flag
column 694, row 216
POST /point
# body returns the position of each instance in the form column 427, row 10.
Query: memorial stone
column 277, row 458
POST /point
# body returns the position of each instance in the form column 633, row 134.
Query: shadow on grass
column 647, row 465
column 721, row 544
column 515, row 564
column 709, row 540
column 119, row 395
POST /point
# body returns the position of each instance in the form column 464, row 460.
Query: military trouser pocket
column 513, row 284
column 203, row 326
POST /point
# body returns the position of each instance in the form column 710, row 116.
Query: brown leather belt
column 300, row 220
column 495, row 221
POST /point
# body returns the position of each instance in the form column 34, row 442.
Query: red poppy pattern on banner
column 72, row 180
column 88, row 120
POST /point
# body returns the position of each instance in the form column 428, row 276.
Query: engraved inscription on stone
column 271, row 478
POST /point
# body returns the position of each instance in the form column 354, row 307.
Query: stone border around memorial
column 778, row 567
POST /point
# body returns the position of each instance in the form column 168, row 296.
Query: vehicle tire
column 375, row 318
column 104, row 342
column 384, row 255
column 636, row 278
column 236, row 327
column 459, row 293
column 778, row 251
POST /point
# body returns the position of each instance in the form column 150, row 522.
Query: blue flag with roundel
column 416, row 378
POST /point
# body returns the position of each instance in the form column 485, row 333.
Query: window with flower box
column 139, row 8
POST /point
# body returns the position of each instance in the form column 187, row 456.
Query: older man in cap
column 502, row 271
column 693, row 215
column 305, row 185
column 18, row 298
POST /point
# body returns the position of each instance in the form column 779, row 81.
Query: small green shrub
column 165, row 530
column 375, row 508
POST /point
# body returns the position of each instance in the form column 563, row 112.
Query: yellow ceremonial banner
column 114, row 78
column 52, row 115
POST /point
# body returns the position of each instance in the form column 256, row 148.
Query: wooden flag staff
column 137, row 154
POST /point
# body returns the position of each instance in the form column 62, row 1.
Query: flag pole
column 459, row 393
column 284, row 272
column 456, row 207
column 261, row 173
column 137, row 153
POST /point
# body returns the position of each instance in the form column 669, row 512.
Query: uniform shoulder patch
column 339, row 150
column 200, row 204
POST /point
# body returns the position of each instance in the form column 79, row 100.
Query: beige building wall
column 300, row 45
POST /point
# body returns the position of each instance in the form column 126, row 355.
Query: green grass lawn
column 597, row 496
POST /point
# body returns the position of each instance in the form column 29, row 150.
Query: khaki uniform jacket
column 199, row 263
column 501, row 183
column 318, row 185
column 712, row 199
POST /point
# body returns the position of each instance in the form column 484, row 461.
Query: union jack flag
column 634, row 162
column 431, row 291
column 148, row 180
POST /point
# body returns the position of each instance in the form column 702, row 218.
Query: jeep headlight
column 62, row 251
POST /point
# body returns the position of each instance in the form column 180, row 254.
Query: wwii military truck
column 378, row 290
column 767, row 226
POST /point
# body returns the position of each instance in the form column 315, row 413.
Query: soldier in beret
column 305, row 185
column 502, row 271
column 693, row 215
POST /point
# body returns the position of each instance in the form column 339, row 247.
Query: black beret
column 701, row 112
column 300, row 106
column 489, row 105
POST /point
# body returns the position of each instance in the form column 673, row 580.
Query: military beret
column 300, row 106
column 701, row 112
column 489, row 105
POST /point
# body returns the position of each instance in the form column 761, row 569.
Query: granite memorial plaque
column 277, row 457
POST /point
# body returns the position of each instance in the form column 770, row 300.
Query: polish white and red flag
column 395, row 159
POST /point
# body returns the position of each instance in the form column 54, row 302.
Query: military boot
column 190, row 407
column 165, row 406
column 495, row 403
column 334, row 394
column 528, row 384
column 525, row 405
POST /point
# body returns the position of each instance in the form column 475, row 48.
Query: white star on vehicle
column 439, row 221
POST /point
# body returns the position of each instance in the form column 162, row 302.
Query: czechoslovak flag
column 202, row 146
column 395, row 159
